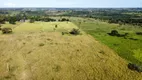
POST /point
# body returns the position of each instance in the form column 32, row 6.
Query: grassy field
column 20, row 27
column 44, row 26
column 32, row 54
column 126, row 48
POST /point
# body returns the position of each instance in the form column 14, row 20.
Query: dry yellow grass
column 60, row 58
column 52, row 56
column 44, row 26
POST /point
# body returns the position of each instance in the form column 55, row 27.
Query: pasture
column 129, row 48
column 43, row 26
column 35, row 51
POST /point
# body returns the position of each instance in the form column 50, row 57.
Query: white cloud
column 10, row 4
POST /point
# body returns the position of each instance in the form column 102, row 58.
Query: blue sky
column 71, row 3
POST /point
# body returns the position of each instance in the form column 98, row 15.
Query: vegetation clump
column 102, row 52
column 6, row 30
column 139, row 33
column 74, row 31
column 63, row 19
column 134, row 67
column 41, row 44
column 56, row 26
column 56, row 68
column 115, row 33
column 133, row 39
column 63, row 33
column 12, row 20
column 48, row 20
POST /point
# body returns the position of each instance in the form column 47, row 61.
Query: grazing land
column 129, row 47
column 44, row 26
column 53, row 56
column 70, row 44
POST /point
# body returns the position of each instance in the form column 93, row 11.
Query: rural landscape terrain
column 70, row 43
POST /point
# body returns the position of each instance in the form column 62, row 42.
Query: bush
column 133, row 39
column 6, row 30
column 63, row 19
column 134, row 67
column 41, row 44
column 63, row 33
column 56, row 26
column 74, row 31
column 102, row 52
column 139, row 33
column 114, row 33
column 48, row 20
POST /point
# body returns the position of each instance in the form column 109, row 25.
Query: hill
column 49, row 55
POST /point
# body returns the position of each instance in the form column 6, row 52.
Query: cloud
column 10, row 4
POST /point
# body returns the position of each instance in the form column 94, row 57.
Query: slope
column 53, row 56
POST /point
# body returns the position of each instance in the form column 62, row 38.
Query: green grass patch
column 128, row 49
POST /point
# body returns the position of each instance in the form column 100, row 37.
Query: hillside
column 49, row 55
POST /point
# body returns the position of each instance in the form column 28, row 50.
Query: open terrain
column 39, row 51
column 129, row 47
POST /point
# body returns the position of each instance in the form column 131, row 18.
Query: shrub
column 63, row 33
column 41, row 44
column 114, row 33
column 56, row 26
column 74, row 31
column 63, row 19
column 139, row 33
column 102, row 52
column 56, row 68
column 134, row 67
column 133, row 39
column 6, row 30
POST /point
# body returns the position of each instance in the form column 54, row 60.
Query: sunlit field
column 44, row 26
column 38, row 51
column 129, row 48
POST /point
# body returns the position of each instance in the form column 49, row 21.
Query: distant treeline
column 121, row 16
column 23, row 17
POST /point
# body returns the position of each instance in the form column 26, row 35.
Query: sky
column 72, row 3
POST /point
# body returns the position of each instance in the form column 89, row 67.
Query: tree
column 12, row 20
